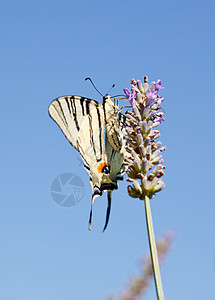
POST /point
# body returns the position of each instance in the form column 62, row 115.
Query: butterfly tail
column 90, row 218
column 96, row 193
column 91, row 213
column 108, row 209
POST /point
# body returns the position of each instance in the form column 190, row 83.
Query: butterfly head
column 106, row 98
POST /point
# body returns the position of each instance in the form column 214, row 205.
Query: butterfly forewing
column 69, row 112
column 90, row 137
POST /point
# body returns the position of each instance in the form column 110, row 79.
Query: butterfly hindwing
column 114, row 138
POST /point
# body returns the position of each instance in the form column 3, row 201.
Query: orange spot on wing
column 101, row 166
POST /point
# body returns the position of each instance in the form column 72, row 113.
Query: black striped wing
column 82, row 122
column 96, row 131
column 70, row 112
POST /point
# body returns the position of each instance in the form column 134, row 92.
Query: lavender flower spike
column 145, row 167
column 141, row 134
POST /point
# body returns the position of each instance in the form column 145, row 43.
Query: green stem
column 153, row 250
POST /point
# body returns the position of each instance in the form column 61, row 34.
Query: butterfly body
column 96, row 130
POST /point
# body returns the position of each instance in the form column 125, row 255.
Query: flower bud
column 137, row 187
column 159, row 186
column 139, row 97
column 155, row 154
column 145, row 87
column 147, row 141
column 137, row 113
column 132, row 192
column 145, row 165
column 139, row 139
column 142, row 151
column 137, row 166
column 156, row 160
column 140, row 86
column 145, row 113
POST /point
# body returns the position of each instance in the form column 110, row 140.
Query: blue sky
column 47, row 49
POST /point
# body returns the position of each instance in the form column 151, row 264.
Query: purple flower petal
column 127, row 93
column 158, row 85
column 160, row 100
column 130, row 96
column 151, row 96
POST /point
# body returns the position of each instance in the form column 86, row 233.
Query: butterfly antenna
column 110, row 89
column 88, row 78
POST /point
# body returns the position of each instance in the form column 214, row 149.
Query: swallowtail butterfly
column 96, row 130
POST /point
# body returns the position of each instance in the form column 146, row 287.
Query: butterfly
column 96, row 130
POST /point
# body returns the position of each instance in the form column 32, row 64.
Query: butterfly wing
column 82, row 121
column 69, row 112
